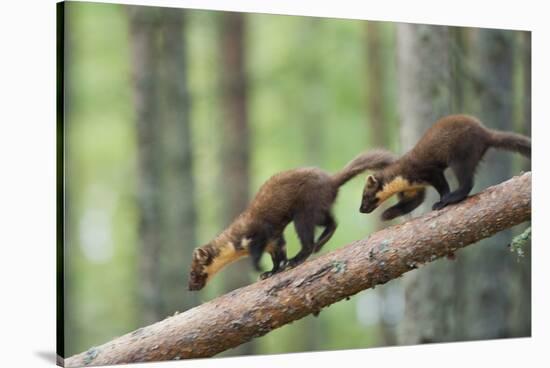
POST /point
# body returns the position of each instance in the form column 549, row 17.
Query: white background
column 27, row 182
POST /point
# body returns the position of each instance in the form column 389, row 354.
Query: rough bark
column 255, row 310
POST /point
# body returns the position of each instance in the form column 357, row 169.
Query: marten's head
column 212, row 257
column 371, row 198
column 198, row 276
column 382, row 186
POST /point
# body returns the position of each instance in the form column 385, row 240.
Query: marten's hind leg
column 277, row 250
column 330, row 227
column 304, row 223
column 408, row 201
column 464, row 172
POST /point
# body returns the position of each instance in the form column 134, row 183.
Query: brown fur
column 304, row 196
column 455, row 141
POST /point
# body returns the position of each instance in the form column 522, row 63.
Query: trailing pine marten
column 304, row 196
column 455, row 141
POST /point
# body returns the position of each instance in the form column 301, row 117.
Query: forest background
column 174, row 118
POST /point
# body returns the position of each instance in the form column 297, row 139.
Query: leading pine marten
column 304, row 196
column 455, row 141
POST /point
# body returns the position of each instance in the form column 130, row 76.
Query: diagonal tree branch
column 255, row 310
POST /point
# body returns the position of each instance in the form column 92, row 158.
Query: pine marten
column 455, row 141
column 304, row 196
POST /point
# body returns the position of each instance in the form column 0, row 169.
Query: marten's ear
column 371, row 181
column 200, row 255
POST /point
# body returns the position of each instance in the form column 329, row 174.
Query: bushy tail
column 371, row 160
column 511, row 142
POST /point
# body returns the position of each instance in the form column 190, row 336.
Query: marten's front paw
column 293, row 263
column 438, row 205
column 266, row 275
column 390, row 214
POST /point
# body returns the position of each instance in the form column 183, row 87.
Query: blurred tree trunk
column 526, row 64
column 523, row 316
column 458, row 55
column 66, row 256
column 424, row 78
column 235, row 142
column 424, row 96
column 376, row 84
column 489, row 276
column 165, row 184
column 378, row 121
column 235, row 150
column 179, row 214
column 479, row 295
column 143, row 25
column 310, row 336
column 310, row 102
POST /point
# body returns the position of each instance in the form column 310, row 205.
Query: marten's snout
column 365, row 209
column 195, row 287
column 197, row 280
column 367, row 206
